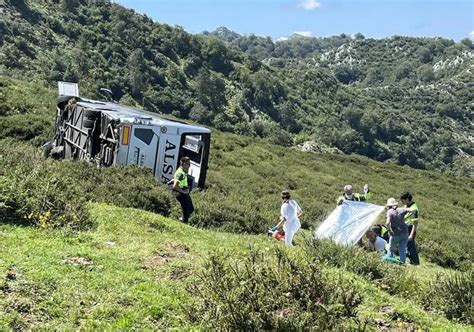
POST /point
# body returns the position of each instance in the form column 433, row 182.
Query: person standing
column 411, row 219
column 348, row 195
column 398, row 230
column 182, row 187
column 290, row 214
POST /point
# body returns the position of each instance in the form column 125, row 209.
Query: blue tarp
column 348, row 222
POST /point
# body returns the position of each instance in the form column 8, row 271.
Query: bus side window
column 144, row 135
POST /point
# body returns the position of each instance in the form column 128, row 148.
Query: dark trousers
column 412, row 253
column 186, row 205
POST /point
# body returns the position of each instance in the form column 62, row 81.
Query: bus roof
column 126, row 114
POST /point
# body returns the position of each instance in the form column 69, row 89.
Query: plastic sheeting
column 348, row 222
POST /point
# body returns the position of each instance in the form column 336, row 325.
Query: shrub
column 48, row 193
column 270, row 294
column 453, row 294
column 391, row 278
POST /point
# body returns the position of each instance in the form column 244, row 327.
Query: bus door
column 196, row 147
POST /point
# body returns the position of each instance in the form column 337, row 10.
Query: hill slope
column 136, row 270
column 405, row 100
column 69, row 263
column 244, row 180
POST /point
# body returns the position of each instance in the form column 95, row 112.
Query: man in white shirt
column 376, row 243
column 290, row 213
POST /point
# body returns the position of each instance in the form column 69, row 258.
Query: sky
column 453, row 19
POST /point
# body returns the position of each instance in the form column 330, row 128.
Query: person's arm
column 177, row 188
column 299, row 212
column 283, row 213
column 413, row 230
column 413, row 213
column 340, row 200
column 282, row 220
column 389, row 224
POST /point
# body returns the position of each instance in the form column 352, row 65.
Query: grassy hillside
column 403, row 100
column 68, row 260
column 137, row 270
column 244, row 181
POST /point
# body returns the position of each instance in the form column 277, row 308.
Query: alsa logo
column 169, row 162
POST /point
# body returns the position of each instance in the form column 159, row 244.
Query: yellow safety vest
column 412, row 216
column 182, row 177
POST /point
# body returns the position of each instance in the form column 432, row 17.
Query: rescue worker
column 290, row 213
column 348, row 195
column 182, row 188
column 411, row 219
column 397, row 228
column 382, row 231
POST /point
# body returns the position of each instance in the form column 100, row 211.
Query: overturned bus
column 108, row 134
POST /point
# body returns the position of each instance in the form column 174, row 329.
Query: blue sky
column 280, row 18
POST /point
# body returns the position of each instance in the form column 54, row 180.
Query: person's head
column 391, row 203
column 406, row 198
column 285, row 195
column 348, row 190
column 185, row 163
column 371, row 235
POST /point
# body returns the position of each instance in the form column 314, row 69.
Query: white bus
column 108, row 134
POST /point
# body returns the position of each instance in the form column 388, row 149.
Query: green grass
column 140, row 267
column 128, row 284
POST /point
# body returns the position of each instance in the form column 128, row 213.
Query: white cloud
column 309, row 4
column 282, row 39
column 303, row 33
column 471, row 35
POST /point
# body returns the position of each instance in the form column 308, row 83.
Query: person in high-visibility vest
column 411, row 219
column 348, row 195
column 182, row 187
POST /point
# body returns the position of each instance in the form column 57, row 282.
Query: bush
column 266, row 294
column 42, row 196
column 49, row 193
column 453, row 294
column 390, row 278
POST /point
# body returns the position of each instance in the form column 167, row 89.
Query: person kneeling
column 376, row 243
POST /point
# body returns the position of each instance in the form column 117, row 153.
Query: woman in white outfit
column 290, row 214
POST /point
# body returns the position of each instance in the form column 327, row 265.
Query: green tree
column 346, row 74
column 210, row 89
column 217, row 55
column 425, row 73
column 201, row 114
column 137, row 73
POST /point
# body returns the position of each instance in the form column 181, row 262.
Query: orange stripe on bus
column 125, row 135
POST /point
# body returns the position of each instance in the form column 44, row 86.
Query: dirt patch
column 387, row 310
column 157, row 260
column 79, row 261
column 179, row 273
column 175, row 249
column 168, row 252
column 382, row 324
column 11, row 274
